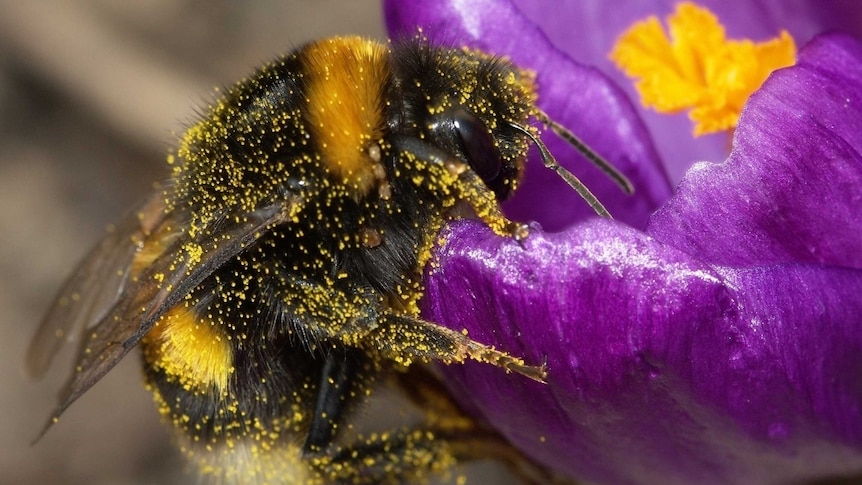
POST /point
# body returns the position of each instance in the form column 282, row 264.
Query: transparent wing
column 147, row 294
column 95, row 285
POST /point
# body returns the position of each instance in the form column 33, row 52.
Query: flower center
column 697, row 67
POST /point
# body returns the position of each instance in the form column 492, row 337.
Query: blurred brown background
column 92, row 93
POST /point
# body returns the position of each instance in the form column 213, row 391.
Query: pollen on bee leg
column 468, row 348
column 510, row 364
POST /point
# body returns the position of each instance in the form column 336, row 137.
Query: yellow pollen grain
column 195, row 252
column 697, row 68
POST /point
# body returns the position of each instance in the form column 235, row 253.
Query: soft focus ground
column 91, row 93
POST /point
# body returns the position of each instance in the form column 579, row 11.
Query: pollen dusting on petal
column 694, row 66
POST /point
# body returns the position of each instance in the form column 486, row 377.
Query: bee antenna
column 621, row 180
column 550, row 162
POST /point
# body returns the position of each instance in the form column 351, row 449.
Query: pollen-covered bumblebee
column 274, row 278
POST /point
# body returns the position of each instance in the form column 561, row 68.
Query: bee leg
column 361, row 321
column 403, row 338
column 413, row 455
column 340, row 373
column 449, row 174
column 400, row 456
column 424, row 388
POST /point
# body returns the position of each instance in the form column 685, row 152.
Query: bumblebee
column 273, row 280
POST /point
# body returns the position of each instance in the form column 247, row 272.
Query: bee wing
column 95, row 285
column 161, row 285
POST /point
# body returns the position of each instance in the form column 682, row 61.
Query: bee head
column 465, row 102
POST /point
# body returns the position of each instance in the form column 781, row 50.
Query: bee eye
column 478, row 146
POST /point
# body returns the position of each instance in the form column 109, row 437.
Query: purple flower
column 585, row 31
column 579, row 97
column 720, row 344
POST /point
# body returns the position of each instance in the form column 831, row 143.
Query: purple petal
column 578, row 97
column 791, row 191
column 719, row 348
column 662, row 369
